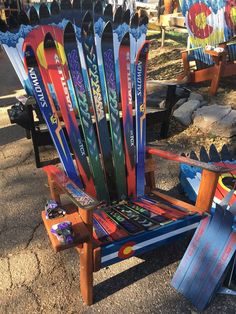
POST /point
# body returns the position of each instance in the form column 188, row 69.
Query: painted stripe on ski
column 126, row 103
column 113, row 108
column 112, row 228
column 127, row 224
column 140, row 108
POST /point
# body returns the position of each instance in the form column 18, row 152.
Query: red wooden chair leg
column 86, row 273
column 86, row 260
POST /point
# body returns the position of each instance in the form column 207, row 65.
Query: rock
column 226, row 127
column 217, row 120
column 195, row 96
column 184, row 113
column 180, row 102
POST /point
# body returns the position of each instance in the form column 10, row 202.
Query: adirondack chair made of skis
column 116, row 211
column 211, row 27
column 24, row 113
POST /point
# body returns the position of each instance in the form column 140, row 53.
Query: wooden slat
column 81, row 233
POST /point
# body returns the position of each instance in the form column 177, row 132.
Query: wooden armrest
column 214, row 53
column 78, row 196
column 188, row 161
column 190, row 49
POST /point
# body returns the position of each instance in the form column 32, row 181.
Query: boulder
column 217, row 120
column 195, row 96
column 184, row 113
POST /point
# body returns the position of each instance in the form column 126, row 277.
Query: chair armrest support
column 80, row 198
column 188, row 161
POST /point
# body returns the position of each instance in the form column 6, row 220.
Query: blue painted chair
column 211, row 26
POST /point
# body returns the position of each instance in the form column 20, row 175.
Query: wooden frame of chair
column 220, row 68
column 91, row 255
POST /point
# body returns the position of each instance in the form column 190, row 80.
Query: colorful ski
column 143, row 23
column 113, row 108
column 128, row 213
column 116, row 43
column 50, row 115
column 127, row 113
column 134, row 33
column 58, row 75
column 211, row 248
column 127, row 224
column 98, row 102
column 217, row 273
column 112, row 228
column 147, row 213
column 70, row 46
column 99, row 24
column 140, row 109
column 99, row 234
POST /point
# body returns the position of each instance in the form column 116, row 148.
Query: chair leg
column 86, row 260
column 218, row 67
column 86, row 273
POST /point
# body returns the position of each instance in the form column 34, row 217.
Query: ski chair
column 119, row 213
column 211, row 26
column 115, row 210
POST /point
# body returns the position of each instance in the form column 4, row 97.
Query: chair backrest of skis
column 76, row 71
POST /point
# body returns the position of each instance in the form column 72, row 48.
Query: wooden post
column 86, row 260
column 217, row 70
column 149, row 173
column 55, row 195
column 207, row 189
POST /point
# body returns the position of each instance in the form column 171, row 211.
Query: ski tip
column 49, row 41
column 143, row 18
column 204, row 155
column 134, row 21
column 107, row 32
column 126, row 17
column 69, row 33
column 76, row 5
column 118, row 15
column 87, row 24
column 225, row 153
column 54, row 8
column 125, row 40
column 108, row 10
column 13, row 22
column 23, row 18
column 87, row 5
column 33, row 16
column 98, row 8
column 43, row 11
column 66, row 5
column 193, row 155
column 29, row 57
column 214, row 155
